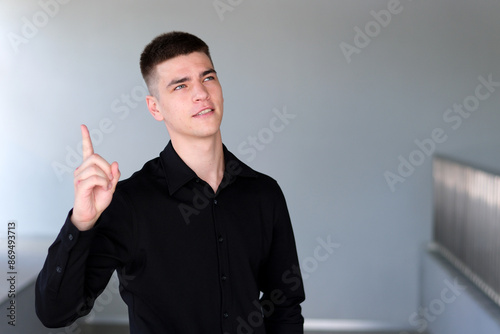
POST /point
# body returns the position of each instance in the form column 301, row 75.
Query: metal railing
column 467, row 221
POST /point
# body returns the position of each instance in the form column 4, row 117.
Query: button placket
column 222, row 251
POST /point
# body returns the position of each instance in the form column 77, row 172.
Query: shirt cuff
column 74, row 239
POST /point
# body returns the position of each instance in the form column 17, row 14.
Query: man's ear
column 153, row 107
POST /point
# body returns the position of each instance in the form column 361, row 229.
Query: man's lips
column 204, row 111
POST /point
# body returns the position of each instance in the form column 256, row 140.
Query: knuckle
column 93, row 169
column 95, row 179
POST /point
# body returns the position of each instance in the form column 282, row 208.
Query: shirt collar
column 178, row 173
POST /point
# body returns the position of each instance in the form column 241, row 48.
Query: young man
column 200, row 241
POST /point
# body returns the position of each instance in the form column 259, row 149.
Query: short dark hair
column 167, row 46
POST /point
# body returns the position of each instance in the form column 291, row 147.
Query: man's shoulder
column 238, row 168
column 262, row 185
column 265, row 179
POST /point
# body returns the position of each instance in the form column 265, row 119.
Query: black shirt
column 188, row 260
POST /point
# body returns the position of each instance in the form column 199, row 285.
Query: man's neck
column 204, row 156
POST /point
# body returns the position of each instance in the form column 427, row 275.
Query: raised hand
column 95, row 182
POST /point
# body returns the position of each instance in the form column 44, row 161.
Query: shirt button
column 70, row 237
column 226, row 315
column 59, row 269
column 215, row 201
column 221, row 239
column 224, row 277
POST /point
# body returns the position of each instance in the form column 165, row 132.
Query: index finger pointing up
column 87, row 148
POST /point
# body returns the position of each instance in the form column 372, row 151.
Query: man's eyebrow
column 185, row 79
column 178, row 81
column 209, row 71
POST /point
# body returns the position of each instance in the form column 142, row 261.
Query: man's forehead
column 184, row 64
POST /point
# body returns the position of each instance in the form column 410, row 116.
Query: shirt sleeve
column 79, row 265
column 282, row 284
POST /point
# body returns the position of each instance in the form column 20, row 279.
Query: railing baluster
column 467, row 221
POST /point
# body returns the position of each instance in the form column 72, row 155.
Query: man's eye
column 209, row 78
column 180, row 87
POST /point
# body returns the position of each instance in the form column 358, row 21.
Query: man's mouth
column 204, row 111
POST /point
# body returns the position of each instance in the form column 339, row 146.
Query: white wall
column 354, row 117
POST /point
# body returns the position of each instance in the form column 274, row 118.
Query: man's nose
column 200, row 92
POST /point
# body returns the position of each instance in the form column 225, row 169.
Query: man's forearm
column 60, row 287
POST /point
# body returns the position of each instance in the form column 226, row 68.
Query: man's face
column 189, row 97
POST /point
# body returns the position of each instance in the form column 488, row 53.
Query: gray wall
column 454, row 304
column 354, row 116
